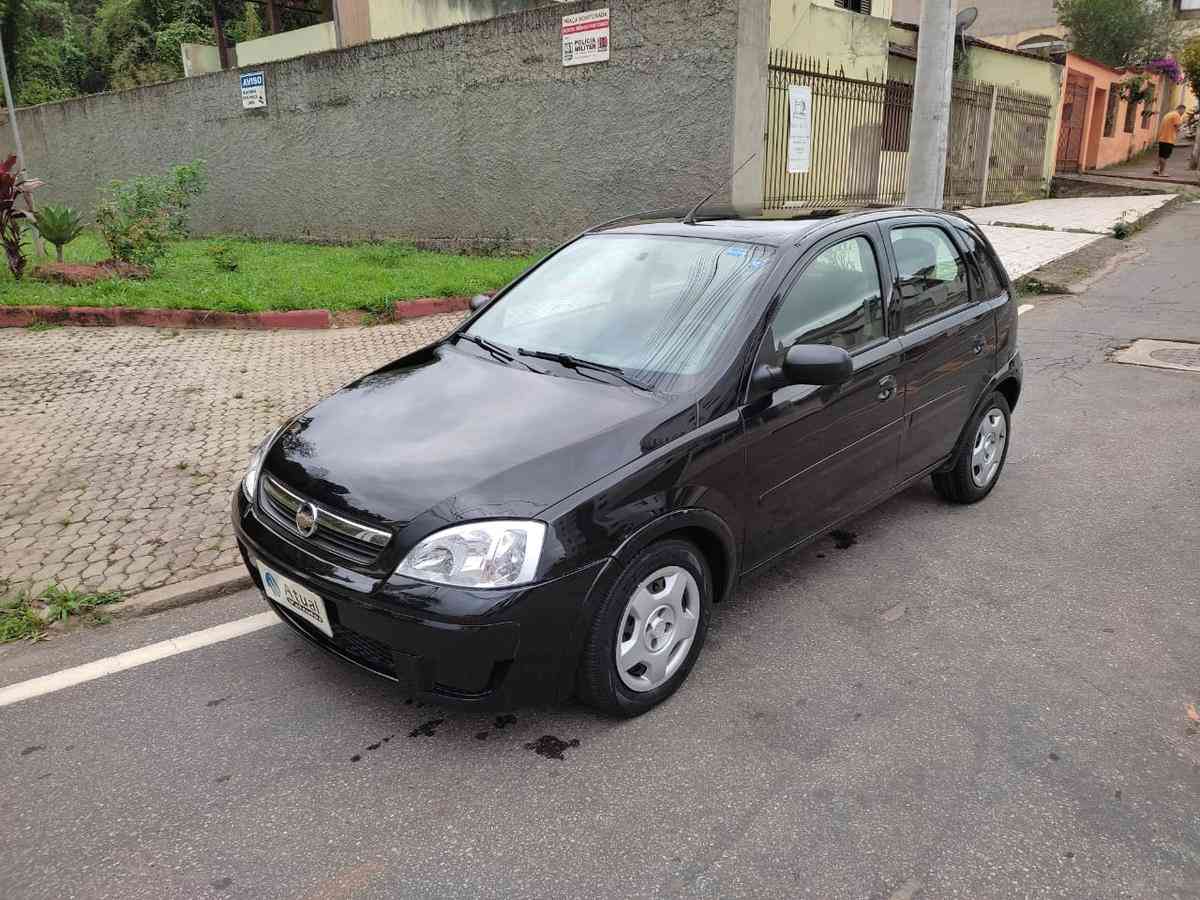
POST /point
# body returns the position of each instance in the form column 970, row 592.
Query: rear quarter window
column 989, row 276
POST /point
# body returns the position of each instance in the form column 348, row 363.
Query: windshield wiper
column 574, row 362
column 496, row 350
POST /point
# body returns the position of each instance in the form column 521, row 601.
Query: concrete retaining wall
column 474, row 133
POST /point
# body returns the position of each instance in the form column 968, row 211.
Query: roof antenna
column 690, row 218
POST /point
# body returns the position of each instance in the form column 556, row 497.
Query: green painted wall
column 851, row 40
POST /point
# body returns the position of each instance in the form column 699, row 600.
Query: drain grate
column 1178, row 355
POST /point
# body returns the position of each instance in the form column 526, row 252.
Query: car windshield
column 656, row 307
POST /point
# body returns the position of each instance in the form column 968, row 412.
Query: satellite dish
column 965, row 19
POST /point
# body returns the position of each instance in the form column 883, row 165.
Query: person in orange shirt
column 1166, row 137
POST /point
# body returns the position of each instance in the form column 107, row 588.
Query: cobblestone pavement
column 120, row 447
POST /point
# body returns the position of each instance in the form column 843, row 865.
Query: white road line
column 56, row 681
column 1024, row 308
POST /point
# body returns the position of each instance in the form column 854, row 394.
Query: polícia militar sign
column 254, row 90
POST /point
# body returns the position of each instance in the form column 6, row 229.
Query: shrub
column 223, row 257
column 13, row 187
column 59, row 225
column 138, row 218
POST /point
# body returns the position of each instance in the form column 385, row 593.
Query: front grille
column 365, row 651
column 342, row 538
column 368, row 651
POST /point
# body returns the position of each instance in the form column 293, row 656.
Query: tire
column 978, row 462
column 665, row 592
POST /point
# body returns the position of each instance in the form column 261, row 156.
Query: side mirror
column 806, row 364
column 817, row 364
column 479, row 301
column 909, row 289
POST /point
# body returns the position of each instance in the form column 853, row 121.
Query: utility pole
column 39, row 247
column 930, row 132
column 12, row 110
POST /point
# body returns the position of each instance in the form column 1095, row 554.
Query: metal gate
column 858, row 140
column 1076, row 94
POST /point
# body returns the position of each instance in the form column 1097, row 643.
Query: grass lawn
column 273, row 275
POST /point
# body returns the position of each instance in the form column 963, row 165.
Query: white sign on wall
column 585, row 37
column 799, row 129
column 254, row 90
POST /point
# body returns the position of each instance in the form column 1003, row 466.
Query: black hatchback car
column 549, row 500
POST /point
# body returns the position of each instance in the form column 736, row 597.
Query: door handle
column 980, row 343
column 887, row 387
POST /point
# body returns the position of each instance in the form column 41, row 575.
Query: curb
column 432, row 306
column 183, row 593
column 23, row 316
column 296, row 320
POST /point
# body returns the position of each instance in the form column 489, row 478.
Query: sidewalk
column 1143, row 168
column 121, row 446
column 1030, row 235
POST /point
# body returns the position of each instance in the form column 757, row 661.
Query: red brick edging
column 22, row 316
column 432, row 306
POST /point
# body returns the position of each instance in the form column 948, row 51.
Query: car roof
column 773, row 232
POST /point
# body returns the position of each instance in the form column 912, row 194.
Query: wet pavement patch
column 504, row 721
column 356, row 757
column 551, row 747
column 426, row 729
column 844, row 539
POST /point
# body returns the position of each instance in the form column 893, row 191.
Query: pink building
column 1096, row 127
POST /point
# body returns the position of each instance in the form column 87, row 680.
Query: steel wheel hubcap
column 988, row 449
column 657, row 628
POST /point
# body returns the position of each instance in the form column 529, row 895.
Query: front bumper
column 493, row 648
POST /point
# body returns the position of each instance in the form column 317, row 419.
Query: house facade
column 1098, row 126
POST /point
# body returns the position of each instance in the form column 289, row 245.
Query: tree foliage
column 63, row 48
column 1119, row 33
column 1189, row 61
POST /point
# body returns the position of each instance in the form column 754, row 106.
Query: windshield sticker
column 736, row 251
column 757, row 263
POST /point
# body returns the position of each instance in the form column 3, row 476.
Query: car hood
column 474, row 437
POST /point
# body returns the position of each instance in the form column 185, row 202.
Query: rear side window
column 991, row 280
column 933, row 276
column 836, row 300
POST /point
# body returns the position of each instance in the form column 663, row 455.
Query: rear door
column 948, row 336
column 818, row 454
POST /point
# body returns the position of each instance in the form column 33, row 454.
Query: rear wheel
column 647, row 633
column 977, row 465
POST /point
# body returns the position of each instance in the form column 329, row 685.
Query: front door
column 818, row 454
column 948, row 337
column 1076, row 94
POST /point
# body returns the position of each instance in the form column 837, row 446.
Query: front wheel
column 977, row 465
column 648, row 631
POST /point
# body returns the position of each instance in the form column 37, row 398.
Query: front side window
column 933, row 278
column 658, row 307
column 836, row 300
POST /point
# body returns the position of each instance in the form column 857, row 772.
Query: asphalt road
column 967, row 702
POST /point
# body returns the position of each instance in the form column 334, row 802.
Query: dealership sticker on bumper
column 295, row 598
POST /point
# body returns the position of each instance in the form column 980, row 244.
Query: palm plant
column 59, row 225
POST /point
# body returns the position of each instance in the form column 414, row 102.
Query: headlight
column 478, row 555
column 250, row 479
